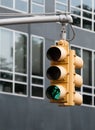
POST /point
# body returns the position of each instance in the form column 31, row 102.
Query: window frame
column 14, row 9
column 13, row 81
column 35, row 76
column 40, row 5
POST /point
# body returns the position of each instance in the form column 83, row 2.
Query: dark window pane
column 37, row 91
column 87, row 68
column 5, row 86
column 37, row 81
column 5, row 75
column 87, row 5
column 94, row 26
column 87, row 15
column 77, row 88
column 37, row 56
column 87, row 90
column 87, row 24
column 87, row 99
column 75, row 11
column 20, row 78
column 94, row 69
column 76, row 21
column 20, row 89
column 20, row 53
column 6, row 50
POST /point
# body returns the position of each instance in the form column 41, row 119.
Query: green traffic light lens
column 53, row 92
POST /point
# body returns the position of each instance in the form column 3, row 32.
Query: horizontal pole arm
column 37, row 19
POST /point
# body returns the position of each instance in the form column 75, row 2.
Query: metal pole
column 37, row 19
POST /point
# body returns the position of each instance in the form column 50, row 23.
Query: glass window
column 87, row 99
column 37, row 81
column 5, row 75
column 38, row 1
column 76, row 3
column 76, row 21
column 37, row 56
column 87, row 69
column 20, row 89
column 87, row 24
column 87, row 5
column 37, row 8
column 37, row 91
column 7, row 3
column 21, row 5
column 94, row 68
column 61, row 7
column 87, row 15
column 20, row 53
column 63, row 1
column 76, row 11
column 6, row 86
column 6, row 50
column 13, row 58
column 20, row 78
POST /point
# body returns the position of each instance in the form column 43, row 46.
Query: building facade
column 23, row 65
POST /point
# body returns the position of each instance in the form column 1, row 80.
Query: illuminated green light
column 53, row 92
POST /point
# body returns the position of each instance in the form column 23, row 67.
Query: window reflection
column 21, row 5
column 37, row 81
column 20, row 89
column 37, row 91
column 37, row 56
column 87, row 24
column 5, row 86
column 20, row 53
column 76, row 3
column 76, row 11
column 60, row 7
column 76, row 21
column 63, row 1
column 4, row 75
column 87, row 15
column 6, row 50
column 87, row 5
column 87, row 99
column 37, row 8
column 38, row 1
column 87, row 68
column 8, row 3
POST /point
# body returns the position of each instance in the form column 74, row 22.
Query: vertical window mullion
column 13, row 62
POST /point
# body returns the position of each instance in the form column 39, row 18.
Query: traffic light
column 75, row 79
column 62, row 75
column 58, row 72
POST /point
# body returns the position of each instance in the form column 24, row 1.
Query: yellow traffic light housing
column 62, row 75
column 75, row 79
column 58, row 72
